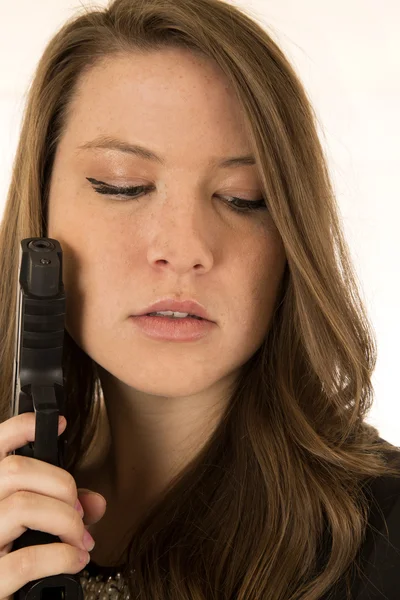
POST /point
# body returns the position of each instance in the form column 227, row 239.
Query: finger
column 94, row 506
column 26, row 510
column 25, row 473
column 34, row 562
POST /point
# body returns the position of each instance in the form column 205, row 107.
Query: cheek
column 90, row 236
column 92, row 264
column 266, row 274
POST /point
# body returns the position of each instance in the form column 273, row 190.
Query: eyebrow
column 110, row 143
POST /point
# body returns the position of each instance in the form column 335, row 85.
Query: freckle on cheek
column 163, row 190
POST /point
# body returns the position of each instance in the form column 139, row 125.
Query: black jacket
column 380, row 552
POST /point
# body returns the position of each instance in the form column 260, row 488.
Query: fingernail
column 84, row 557
column 88, row 541
column 79, row 508
column 85, row 491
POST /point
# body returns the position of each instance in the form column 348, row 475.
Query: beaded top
column 103, row 583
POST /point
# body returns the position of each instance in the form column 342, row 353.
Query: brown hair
column 292, row 454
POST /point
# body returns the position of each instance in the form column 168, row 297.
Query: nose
column 181, row 237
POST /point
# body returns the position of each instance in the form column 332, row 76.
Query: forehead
column 155, row 97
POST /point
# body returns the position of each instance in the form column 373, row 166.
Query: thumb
column 94, row 506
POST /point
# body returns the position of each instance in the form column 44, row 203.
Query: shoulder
column 380, row 552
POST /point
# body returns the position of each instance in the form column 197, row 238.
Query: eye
column 112, row 190
column 242, row 205
column 236, row 204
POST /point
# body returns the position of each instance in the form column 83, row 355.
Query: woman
column 171, row 149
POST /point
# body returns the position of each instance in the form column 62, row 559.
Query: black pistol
column 38, row 385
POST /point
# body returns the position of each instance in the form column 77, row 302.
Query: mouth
column 170, row 307
column 176, row 329
column 154, row 314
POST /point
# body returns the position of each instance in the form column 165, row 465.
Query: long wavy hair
column 248, row 518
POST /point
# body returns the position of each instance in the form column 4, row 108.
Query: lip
column 173, row 330
column 186, row 306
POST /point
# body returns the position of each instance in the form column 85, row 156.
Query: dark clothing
column 380, row 551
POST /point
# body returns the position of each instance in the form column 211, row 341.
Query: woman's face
column 181, row 239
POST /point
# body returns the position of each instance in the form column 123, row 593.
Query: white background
column 347, row 54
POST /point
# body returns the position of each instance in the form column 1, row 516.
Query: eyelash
column 247, row 206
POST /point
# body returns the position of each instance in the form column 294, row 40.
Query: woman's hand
column 37, row 495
